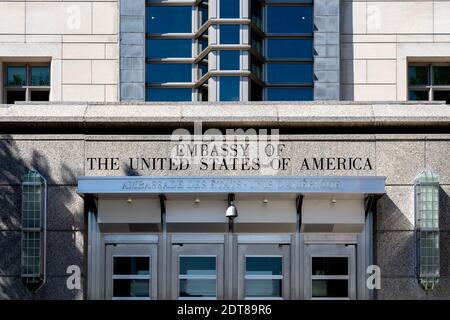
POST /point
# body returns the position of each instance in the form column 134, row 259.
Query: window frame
column 430, row 88
column 28, row 88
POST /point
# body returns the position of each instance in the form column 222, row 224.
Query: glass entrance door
column 330, row 272
column 263, row 271
column 130, row 272
column 197, row 271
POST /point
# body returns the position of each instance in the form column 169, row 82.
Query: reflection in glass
column 168, row 19
column 329, row 266
column 329, row 288
column 229, row 34
column 203, row 12
column 229, row 8
column 168, row 72
column 289, row 48
column 418, row 95
column 256, row 13
column 418, row 75
column 289, row 94
column 229, row 59
column 263, row 288
column 229, row 88
column 290, row 72
column 125, row 288
column 197, row 288
column 40, row 76
column 198, row 266
column 16, row 76
column 263, row 266
column 168, row 48
column 441, row 75
column 131, row 265
column 289, row 19
column 168, row 94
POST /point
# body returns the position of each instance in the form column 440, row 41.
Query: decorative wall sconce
column 34, row 215
column 426, row 187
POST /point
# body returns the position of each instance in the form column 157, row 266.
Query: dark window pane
column 330, row 288
column 131, row 265
column 256, row 92
column 198, row 288
column 39, row 95
column 168, row 94
column 257, row 42
column 289, row 73
column 13, row 96
column 256, row 13
column 418, row 75
column 417, row 95
column 202, row 44
column 229, row 34
column 289, row 48
column 441, row 95
column 329, row 266
column 169, row 72
column 263, row 266
column 229, row 88
column 441, row 75
column 229, row 8
column 168, row 19
column 204, row 94
column 203, row 69
column 286, row 19
column 256, row 67
column 203, row 12
column 289, row 94
column 198, row 266
column 40, row 76
column 229, row 60
column 263, row 288
column 168, row 48
column 127, row 288
column 16, row 76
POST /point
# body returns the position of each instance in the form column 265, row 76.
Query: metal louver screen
column 33, row 230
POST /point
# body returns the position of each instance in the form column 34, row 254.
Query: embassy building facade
column 225, row 149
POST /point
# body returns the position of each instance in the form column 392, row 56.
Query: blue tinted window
column 168, row 19
column 203, row 13
column 289, row 48
column 40, row 76
column 289, row 73
column 168, row 94
column 16, row 76
column 229, row 8
column 289, row 94
column 229, row 34
column 203, row 68
column 168, row 72
column 202, row 44
column 168, row 48
column 418, row 95
column 229, row 88
column 229, row 59
column 284, row 19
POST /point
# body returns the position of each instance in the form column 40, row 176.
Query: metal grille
column 427, row 228
column 33, row 229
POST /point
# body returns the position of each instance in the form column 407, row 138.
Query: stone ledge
column 304, row 115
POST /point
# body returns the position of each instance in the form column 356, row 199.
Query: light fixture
column 333, row 200
column 130, row 200
column 426, row 187
column 197, row 200
column 231, row 212
column 265, row 201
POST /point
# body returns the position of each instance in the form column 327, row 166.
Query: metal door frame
column 200, row 250
column 336, row 250
column 282, row 250
column 131, row 250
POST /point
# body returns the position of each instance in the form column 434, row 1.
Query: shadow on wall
column 65, row 221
